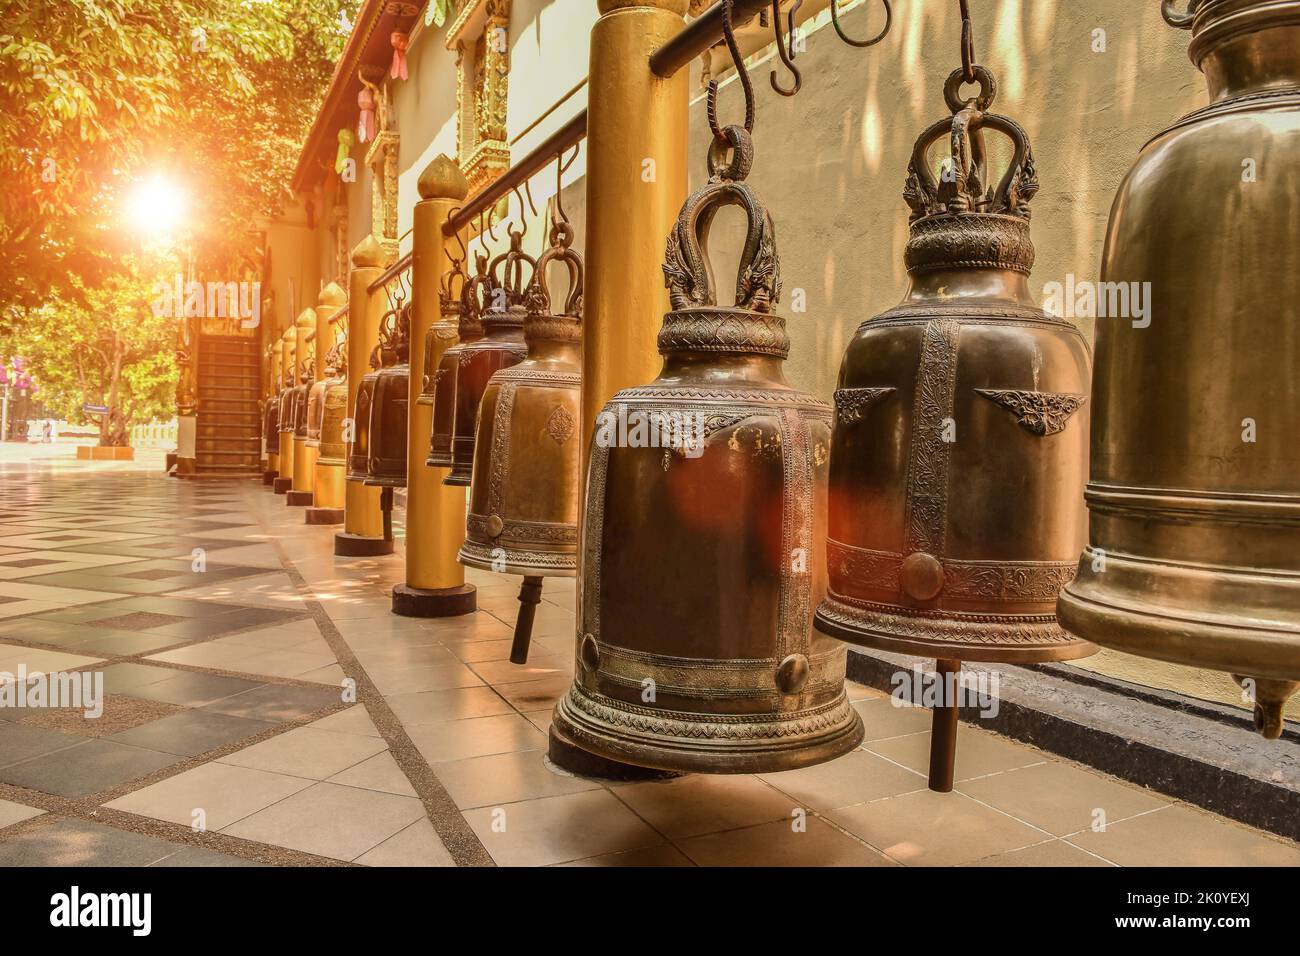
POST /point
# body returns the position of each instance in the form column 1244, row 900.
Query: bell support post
column 363, row 521
column 435, row 581
column 270, row 418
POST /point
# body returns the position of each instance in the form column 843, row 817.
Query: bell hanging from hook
column 443, row 383
column 523, row 506
column 386, row 464
column 704, row 531
column 1194, row 497
column 961, row 432
column 502, row 345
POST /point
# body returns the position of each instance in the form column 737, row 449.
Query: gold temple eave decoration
column 480, row 36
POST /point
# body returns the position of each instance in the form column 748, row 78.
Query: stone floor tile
column 329, row 820
column 539, row 667
column 354, row 720
column 558, row 829
column 224, row 793
column 882, row 720
column 650, row 856
column 856, row 777
column 307, row 752
column 197, row 856
column 417, row 845
column 536, row 694
column 507, row 778
column 979, row 753
column 393, row 679
column 1183, row 836
column 1054, row 853
column 37, row 660
column 90, row 767
column 11, row 813
column 379, row 772
column 192, row 689
column 191, row 733
column 1061, row 798
column 476, row 737
column 780, row 844
column 935, row 829
column 19, row 743
column 276, row 702
column 700, row 803
column 77, row 843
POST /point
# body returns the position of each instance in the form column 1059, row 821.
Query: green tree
column 108, row 347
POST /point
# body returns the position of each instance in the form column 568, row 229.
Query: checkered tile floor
column 263, row 706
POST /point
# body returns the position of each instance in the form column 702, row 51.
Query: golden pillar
column 363, row 522
column 435, row 513
column 328, row 481
column 289, row 378
column 273, row 398
column 304, row 455
column 636, row 182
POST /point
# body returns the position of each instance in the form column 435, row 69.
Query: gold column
column 304, row 456
column 636, row 182
column 289, row 365
column 363, row 522
column 435, row 513
column 328, row 483
column 273, row 395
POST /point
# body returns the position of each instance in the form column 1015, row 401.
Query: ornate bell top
column 544, row 323
column 451, row 291
column 471, row 298
column 334, row 359
column 963, row 220
column 395, row 337
column 696, row 323
column 504, row 294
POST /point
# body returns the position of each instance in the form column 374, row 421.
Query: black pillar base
column 324, row 516
column 268, row 477
column 359, row 546
column 567, row 755
column 299, row 499
column 281, row 486
column 434, row 602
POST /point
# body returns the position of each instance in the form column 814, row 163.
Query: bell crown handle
column 964, row 186
column 688, row 271
column 1181, row 21
column 539, row 300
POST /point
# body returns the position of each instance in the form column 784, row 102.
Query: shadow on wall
column 1090, row 86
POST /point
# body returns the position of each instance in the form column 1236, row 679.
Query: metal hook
column 523, row 220
column 711, row 100
column 786, row 54
column 560, row 216
column 464, row 253
column 862, row 44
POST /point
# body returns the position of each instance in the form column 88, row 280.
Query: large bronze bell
column 1194, row 498
column 333, row 447
column 523, row 506
column 301, row 400
column 445, row 330
column 960, row 449
column 388, row 410
column 469, row 330
column 502, row 345
column 271, row 428
column 316, row 397
column 704, row 532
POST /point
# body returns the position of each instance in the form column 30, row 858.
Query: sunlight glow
column 156, row 206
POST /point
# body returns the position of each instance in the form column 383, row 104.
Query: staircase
column 228, row 443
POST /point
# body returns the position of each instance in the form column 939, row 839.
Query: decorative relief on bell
column 850, row 403
column 1039, row 413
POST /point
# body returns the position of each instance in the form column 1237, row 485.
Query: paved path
column 264, row 707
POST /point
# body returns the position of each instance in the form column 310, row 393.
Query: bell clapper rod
column 943, row 728
column 530, row 595
column 386, row 506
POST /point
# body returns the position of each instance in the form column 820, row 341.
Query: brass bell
column 301, row 399
column 1194, row 497
column 960, row 447
column 359, row 450
column 387, row 432
column 271, row 429
column 704, row 532
column 523, row 506
column 501, row 346
column 316, row 397
column 334, row 410
column 445, row 330
column 443, row 382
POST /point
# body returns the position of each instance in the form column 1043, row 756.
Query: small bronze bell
column 359, row 450
column 960, row 446
column 316, row 398
column 704, row 532
column 387, row 432
column 301, row 399
column 523, row 507
column 271, row 430
column 443, row 383
column 1194, row 498
column 501, row 346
